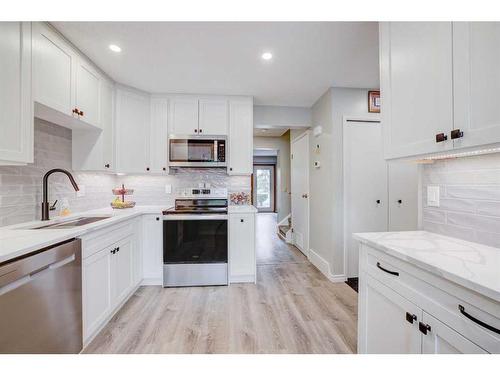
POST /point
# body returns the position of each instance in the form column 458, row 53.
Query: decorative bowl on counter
column 119, row 204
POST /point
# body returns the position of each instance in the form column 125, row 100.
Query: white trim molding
column 324, row 267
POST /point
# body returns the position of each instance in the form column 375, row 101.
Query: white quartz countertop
column 241, row 209
column 18, row 240
column 471, row 265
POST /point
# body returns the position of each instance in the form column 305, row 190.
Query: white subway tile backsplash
column 470, row 198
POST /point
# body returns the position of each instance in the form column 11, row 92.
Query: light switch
column 168, row 189
column 433, row 196
column 81, row 191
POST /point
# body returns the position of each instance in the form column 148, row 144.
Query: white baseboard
column 152, row 281
column 285, row 220
column 242, row 279
column 324, row 267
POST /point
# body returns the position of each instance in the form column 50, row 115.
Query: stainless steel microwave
column 197, row 151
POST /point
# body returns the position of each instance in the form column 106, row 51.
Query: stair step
column 283, row 229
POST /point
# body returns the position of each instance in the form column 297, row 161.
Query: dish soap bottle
column 65, row 211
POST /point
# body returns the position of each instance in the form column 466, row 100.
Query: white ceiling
column 268, row 132
column 224, row 58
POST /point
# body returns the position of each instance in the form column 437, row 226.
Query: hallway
column 293, row 308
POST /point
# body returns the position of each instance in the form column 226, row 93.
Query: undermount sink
column 73, row 223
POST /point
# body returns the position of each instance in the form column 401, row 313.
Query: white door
column 365, row 185
column 300, row 192
column 16, row 114
column 152, row 249
column 385, row 328
column 416, row 86
column 184, row 116
column 107, row 125
column 403, row 195
column 88, row 93
column 53, row 70
column 132, row 131
column 97, row 298
column 159, row 136
column 122, row 269
column 264, row 188
column 476, row 52
column 214, row 117
column 240, row 137
column 441, row 339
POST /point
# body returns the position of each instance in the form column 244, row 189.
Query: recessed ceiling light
column 115, row 48
column 267, row 56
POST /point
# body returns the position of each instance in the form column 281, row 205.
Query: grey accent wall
column 469, row 198
column 21, row 186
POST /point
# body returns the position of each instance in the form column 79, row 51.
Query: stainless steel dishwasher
column 41, row 301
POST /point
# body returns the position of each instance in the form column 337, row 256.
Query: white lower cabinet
column 403, row 309
column 152, row 249
column 108, row 275
column 242, row 264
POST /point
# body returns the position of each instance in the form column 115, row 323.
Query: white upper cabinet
column 132, row 131
column 240, row 136
column 476, row 62
column 159, row 135
column 88, row 92
column 16, row 108
column 107, row 124
column 214, row 116
column 184, row 116
column 53, row 70
column 416, row 87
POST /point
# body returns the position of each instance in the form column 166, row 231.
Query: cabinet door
column 240, row 137
column 214, row 116
column 403, row 195
column 476, row 58
column 87, row 92
column 107, row 125
column 132, row 131
column 159, row 135
column 242, row 248
column 152, row 249
column 441, row 339
column 16, row 110
column 53, row 70
column 97, row 298
column 382, row 324
column 416, row 87
column 122, row 270
column 184, row 116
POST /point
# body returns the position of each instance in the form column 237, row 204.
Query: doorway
column 264, row 189
column 300, row 192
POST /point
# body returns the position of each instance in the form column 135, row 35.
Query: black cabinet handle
column 164, row 168
column 410, row 318
column 386, row 270
column 477, row 321
column 200, row 130
column 230, row 169
column 456, row 134
column 147, row 168
column 106, row 165
column 118, row 249
column 157, row 219
column 378, row 201
column 242, row 221
column 400, row 201
column 424, row 328
column 441, row 137
column 196, row 130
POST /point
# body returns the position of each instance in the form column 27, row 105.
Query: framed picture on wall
column 374, row 101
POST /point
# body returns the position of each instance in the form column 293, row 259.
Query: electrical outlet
column 81, row 192
column 433, row 196
column 168, row 189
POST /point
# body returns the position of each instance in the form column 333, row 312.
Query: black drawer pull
column 424, row 328
column 475, row 320
column 457, row 133
column 441, row 137
column 410, row 318
column 386, row 270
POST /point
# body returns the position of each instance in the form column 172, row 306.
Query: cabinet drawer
column 439, row 297
column 100, row 239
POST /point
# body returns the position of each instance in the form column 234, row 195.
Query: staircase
column 285, row 231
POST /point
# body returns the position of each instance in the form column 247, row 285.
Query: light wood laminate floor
column 293, row 308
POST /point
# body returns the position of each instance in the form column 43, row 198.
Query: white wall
column 282, row 144
column 276, row 116
column 326, row 183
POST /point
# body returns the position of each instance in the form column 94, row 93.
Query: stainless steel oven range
column 195, row 245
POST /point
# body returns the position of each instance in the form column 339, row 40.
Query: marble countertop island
column 471, row 265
